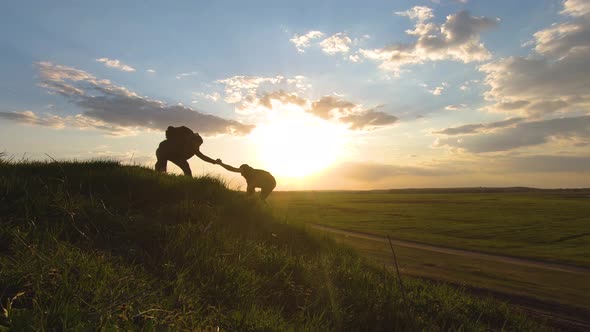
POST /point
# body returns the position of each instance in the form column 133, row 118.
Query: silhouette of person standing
column 180, row 145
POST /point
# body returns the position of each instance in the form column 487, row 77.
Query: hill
column 98, row 245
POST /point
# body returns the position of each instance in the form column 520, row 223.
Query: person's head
column 245, row 168
column 198, row 140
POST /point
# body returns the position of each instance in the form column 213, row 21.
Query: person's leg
column 268, row 189
column 184, row 166
column 250, row 190
column 265, row 192
column 161, row 162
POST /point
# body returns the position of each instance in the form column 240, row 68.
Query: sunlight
column 293, row 143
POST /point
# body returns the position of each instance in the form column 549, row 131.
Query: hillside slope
column 100, row 245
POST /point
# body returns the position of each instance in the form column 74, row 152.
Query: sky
column 323, row 94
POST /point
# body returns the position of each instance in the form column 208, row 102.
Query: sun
column 293, row 143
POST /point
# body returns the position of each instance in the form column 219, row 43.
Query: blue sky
column 388, row 92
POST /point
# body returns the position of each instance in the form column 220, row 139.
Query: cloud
column 327, row 105
column 417, row 13
column 456, row 39
column 239, row 87
column 523, row 134
column 30, row 118
column 116, row 109
column 368, row 119
column 437, row 91
column 113, row 63
column 479, row 127
column 183, row 75
column 300, row 82
column 552, row 81
column 302, row 42
column 354, row 58
column 212, row 97
column 131, row 157
column 576, row 8
column 374, row 172
column 330, row 108
column 282, row 97
column 251, row 97
column 545, row 164
column 151, row 71
column 455, row 107
column 60, row 122
column 555, row 79
column 337, row 43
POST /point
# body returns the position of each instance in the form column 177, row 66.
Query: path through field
column 460, row 252
column 561, row 316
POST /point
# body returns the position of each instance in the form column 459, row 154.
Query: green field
column 552, row 226
column 100, row 246
column 547, row 226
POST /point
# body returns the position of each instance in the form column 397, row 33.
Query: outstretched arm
column 199, row 154
column 229, row 168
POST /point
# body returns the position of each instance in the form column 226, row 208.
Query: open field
column 549, row 226
column 99, row 246
column 547, row 233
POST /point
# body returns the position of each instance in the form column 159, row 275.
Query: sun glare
column 292, row 143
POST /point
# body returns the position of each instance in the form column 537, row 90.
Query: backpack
column 179, row 133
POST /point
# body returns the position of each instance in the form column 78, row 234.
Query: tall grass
column 98, row 245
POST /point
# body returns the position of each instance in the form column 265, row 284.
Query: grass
column 547, row 226
column 551, row 226
column 98, row 245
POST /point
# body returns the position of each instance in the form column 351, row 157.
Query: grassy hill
column 100, row 245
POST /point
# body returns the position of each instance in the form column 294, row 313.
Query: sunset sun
column 293, row 143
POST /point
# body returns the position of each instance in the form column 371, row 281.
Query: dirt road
column 460, row 252
column 560, row 317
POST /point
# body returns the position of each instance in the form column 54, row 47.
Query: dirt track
column 558, row 316
column 460, row 252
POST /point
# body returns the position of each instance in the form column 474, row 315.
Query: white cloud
column 302, row 42
column 330, row 108
column 456, row 39
column 455, row 107
column 337, row 43
column 418, row 13
column 113, row 63
column 437, row 91
column 183, row 75
column 555, row 79
column 354, row 58
column 300, row 82
column 213, row 97
column 576, row 8
column 116, row 109
column 238, row 88
column 151, row 71
column 244, row 91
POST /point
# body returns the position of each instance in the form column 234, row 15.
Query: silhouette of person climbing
column 180, row 145
column 255, row 178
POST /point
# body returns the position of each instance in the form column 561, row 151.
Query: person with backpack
column 180, row 145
